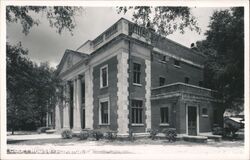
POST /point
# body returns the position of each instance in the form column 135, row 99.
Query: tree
column 31, row 89
column 164, row 20
column 59, row 17
column 18, row 83
column 224, row 47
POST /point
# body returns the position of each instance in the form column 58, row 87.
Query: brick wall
column 110, row 91
column 156, row 116
column 138, row 92
column 172, row 73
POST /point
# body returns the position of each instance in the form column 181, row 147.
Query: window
column 104, row 111
column 104, row 76
column 177, row 63
column 186, row 80
column 204, row 112
column 137, row 111
column 163, row 58
column 164, row 115
column 161, row 81
column 137, row 73
column 200, row 83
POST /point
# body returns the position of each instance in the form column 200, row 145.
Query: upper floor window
column 137, row 109
column 104, row 111
column 162, row 81
column 177, row 63
column 164, row 115
column 164, row 58
column 186, row 80
column 200, row 83
column 137, row 73
column 104, row 76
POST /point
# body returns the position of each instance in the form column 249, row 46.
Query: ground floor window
column 164, row 111
column 204, row 112
column 137, row 109
column 104, row 111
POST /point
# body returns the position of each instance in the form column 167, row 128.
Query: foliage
column 153, row 133
column 59, row 17
column 66, row 134
column 164, row 20
column 218, row 131
column 97, row 134
column 31, row 90
column 84, row 135
column 111, row 135
column 170, row 134
column 42, row 129
column 131, row 134
column 231, row 127
column 224, row 47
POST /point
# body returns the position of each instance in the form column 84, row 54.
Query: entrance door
column 192, row 120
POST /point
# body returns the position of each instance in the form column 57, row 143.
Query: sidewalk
column 32, row 137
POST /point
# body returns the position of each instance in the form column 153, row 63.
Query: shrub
column 42, row 129
column 111, row 135
column 66, row 134
column 97, row 134
column 230, row 132
column 131, row 135
column 170, row 134
column 84, row 135
column 153, row 133
column 218, row 131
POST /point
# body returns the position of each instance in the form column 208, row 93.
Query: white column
column 77, row 104
column 57, row 117
column 57, row 110
column 148, row 94
column 89, row 98
column 66, row 106
column 122, row 93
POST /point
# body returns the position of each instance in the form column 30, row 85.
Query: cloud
column 45, row 44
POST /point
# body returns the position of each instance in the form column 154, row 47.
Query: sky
column 44, row 44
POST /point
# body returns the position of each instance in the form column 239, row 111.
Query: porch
column 192, row 109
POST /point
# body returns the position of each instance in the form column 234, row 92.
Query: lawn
column 139, row 146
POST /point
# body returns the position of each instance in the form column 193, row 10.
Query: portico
column 72, row 105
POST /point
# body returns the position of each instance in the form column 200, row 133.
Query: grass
column 141, row 141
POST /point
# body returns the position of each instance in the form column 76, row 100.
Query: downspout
column 130, row 83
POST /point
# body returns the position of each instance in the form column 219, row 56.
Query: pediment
column 70, row 58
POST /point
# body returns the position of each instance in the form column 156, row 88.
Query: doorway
column 192, row 120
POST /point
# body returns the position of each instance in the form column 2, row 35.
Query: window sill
column 104, row 87
column 164, row 124
column 137, row 124
column 137, row 84
column 104, row 124
column 177, row 66
column 205, row 116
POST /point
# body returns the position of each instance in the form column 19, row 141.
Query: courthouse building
column 130, row 76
